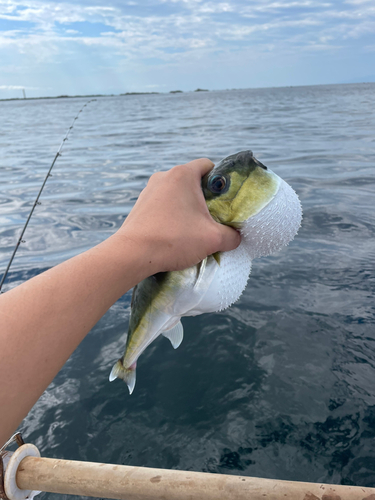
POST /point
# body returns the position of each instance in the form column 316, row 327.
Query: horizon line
column 124, row 94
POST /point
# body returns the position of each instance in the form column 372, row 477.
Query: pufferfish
column 240, row 192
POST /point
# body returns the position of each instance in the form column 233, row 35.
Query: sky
column 58, row 47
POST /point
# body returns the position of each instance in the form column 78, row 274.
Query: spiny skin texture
column 275, row 226
column 240, row 192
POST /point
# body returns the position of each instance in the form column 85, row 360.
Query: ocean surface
column 282, row 384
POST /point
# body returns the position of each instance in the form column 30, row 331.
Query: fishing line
column 37, row 202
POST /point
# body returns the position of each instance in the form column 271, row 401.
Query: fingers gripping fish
column 240, row 192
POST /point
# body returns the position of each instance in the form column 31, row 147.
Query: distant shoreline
column 85, row 96
column 99, row 95
column 76, row 96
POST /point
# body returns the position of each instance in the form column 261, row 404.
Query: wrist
column 131, row 257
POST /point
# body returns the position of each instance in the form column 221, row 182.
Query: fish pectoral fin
column 175, row 334
column 202, row 268
column 126, row 374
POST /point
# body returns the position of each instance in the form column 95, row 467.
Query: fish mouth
column 255, row 194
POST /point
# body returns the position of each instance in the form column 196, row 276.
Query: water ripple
column 280, row 385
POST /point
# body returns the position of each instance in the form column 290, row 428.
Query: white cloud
column 17, row 87
column 45, row 14
column 358, row 2
column 321, row 47
column 185, row 31
column 182, row 30
column 212, row 8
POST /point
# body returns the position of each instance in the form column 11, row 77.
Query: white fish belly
column 229, row 282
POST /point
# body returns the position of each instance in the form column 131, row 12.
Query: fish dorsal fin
column 175, row 334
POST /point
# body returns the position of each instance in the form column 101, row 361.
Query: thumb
column 230, row 238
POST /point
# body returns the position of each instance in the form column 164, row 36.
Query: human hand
column 171, row 220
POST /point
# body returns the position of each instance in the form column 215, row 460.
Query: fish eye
column 217, row 184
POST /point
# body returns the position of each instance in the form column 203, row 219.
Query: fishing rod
column 37, row 202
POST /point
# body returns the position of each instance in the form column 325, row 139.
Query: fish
column 242, row 193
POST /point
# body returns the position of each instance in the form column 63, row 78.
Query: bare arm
column 43, row 320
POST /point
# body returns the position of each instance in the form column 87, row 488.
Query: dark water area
column 282, row 384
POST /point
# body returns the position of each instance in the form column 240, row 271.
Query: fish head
column 243, row 193
column 237, row 188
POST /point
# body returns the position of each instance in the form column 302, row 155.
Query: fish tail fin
column 126, row 374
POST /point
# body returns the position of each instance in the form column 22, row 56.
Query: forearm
column 43, row 320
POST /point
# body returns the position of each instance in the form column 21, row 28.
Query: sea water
column 282, row 384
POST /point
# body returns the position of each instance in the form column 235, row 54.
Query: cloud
column 358, row 2
column 17, row 87
column 176, row 32
column 321, row 47
column 207, row 22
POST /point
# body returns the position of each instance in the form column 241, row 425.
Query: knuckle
column 179, row 169
column 179, row 172
column 156, row 177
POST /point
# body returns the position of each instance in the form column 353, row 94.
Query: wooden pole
column 139, row 483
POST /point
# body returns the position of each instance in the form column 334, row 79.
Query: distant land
column 96, row 95
column 55, row 97
column 138, row 93
column 171, row 92
column 76, row 96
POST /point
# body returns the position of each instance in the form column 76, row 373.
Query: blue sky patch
column 173, row 50
column 10, row 25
